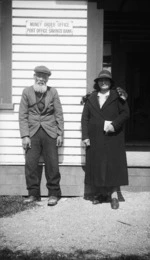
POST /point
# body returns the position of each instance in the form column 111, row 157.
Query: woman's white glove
column 86, row 142
column 109, row 129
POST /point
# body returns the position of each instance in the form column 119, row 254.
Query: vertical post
column 6, row 48
column 94, row 43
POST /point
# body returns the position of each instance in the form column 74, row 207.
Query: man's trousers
column 42, row 143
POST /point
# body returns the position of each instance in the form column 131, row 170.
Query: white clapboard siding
column 48, row 49
column 72, row 125
column 9, row 117
column 55, row 74
column 141, row 159
column 9, row 133
column 72, row 109
column 65, row 108
column 10, row 125
column 65, row 56
column 50, row 4
column 11, row 150
column 64, row 100
column 72, row 40
column 70, row 100
column 80, row 23
column 79, row 92
column 52, row 57
column 72, row 134
column 63, row 159
column 15, row 125
column 58, row 83
column 73, row 142
column 11, row 142
column 68, row 117
column 49, row 13
column 54, row 66
column 15, row 133
column 22, row 31
column 72, row 117
column 63, row 150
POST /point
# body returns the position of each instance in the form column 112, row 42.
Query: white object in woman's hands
column 108, row 127
column 86, row 142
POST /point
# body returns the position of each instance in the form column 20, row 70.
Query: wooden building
column 74, row 39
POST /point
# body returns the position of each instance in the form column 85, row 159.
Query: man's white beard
column 40, row 88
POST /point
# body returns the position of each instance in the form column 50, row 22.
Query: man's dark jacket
column 50, row 119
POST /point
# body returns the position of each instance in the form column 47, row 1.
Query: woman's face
column 104, row 84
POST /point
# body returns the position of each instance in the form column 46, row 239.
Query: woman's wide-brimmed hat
column 104, row 74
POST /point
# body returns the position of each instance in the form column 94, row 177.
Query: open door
column 138, row 88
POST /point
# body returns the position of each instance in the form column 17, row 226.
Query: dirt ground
column 77, row 224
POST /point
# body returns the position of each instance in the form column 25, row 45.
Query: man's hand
column 59, row 141
column 122, row 93
column 26, row 143
column 86, row 142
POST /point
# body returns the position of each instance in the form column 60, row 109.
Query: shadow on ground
column 7, row 254
column 11, row 205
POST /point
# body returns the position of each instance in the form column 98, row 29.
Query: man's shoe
column 52, row 201
column 31, row 199
column 114, row 203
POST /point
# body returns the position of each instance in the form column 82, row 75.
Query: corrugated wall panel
column 66, row 57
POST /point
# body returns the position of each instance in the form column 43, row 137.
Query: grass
column 10, row 205
column 7, row 254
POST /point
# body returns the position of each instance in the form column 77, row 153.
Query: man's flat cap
column 42, row 69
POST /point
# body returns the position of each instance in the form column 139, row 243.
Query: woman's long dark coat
column 106, row 164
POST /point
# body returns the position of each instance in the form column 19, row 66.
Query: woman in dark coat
column 103, row 118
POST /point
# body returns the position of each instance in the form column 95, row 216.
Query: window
column 107, row 56
column 5, row 54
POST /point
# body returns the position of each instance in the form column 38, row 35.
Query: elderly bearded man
column 41, row 128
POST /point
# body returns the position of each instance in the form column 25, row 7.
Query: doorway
column 138, row 89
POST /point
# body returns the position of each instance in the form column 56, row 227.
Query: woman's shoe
column 99, row 199
column 114, row 203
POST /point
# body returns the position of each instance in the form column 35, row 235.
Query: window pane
column 107, row 56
